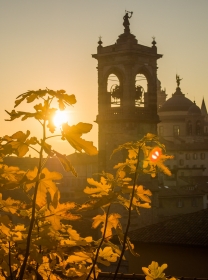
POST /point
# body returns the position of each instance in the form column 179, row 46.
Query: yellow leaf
column 133, row 154
column 100, row 189
column 19, row 145
column 46, row 185
column 108, row 254
column 5, row 230
column 73, row 135
column 154, row 271
column 79, row 257
column 62, row 212
column 31, row 174
column 11, row 173
column 143, row 194
column 73, row 234
column 66, row 163
column 9, row 205
column 112, row 222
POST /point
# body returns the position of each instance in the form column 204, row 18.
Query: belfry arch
column 114, row 89
column 141, row 89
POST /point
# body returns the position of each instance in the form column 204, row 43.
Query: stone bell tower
column 126, row 110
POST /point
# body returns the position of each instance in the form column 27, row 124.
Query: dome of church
column 178, row 102
column 194, row 110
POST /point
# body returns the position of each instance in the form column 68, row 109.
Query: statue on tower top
column 178, row 80
column 126, row 21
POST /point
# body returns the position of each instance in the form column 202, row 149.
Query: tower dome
column 178, row 102
column 194, row 110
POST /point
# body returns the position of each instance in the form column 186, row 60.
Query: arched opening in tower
column 114, row 89
column 140, row 90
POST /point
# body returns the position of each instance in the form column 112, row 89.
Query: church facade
column 183, row 128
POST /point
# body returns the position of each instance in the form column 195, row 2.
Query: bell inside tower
column 114, row 90
column 140, row 91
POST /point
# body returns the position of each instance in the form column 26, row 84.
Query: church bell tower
column 126, row 109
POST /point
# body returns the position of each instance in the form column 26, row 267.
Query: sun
column 60, row 118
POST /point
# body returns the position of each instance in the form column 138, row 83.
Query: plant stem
column 101, row 242
column 22, row 270
column 129, row 217
column 10, row 268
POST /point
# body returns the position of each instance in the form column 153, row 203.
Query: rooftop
column 188, row 229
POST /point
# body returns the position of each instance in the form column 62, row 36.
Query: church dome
column 178, row 102
column 194, row 110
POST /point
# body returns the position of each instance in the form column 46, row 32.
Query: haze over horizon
column 49, row 44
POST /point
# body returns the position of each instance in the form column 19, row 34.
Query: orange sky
column 49, row 44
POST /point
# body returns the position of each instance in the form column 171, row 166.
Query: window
column 194, row 202
column 189, row 128
column 187, row 156
column 202, row 155
column 181, row 162
column 198, row 128
column 176, row 130
column 180, row 203
column 195, row 156
column 161, row 130
column 115, row 90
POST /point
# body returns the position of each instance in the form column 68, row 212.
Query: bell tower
column 127, row 110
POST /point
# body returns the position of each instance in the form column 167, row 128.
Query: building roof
column 188, row 229
column 203, row 108
column 181, row 145
column 122, row 276
column 194, row 110
column 183, row 192
column 178, row 102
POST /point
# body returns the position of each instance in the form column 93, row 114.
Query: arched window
column 198, row 128
column 114, row 88
column 140, row 90
column 189, row 128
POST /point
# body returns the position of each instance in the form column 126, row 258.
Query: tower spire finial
column 126, row 22
column 178, row 80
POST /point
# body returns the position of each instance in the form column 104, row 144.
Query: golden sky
column 49, row 44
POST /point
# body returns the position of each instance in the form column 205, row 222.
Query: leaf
column 9, row 205
column 11, row 173
column 73, row 136
column 61, row 212
column 19, row 144
column 30, row 95
column 66, row 163
column 47, row 148
column 154, row 271
column 79, row 257
column 4, row 219
column 108, row 254
column 46, row 185
column 112, row 222
column 100, row 189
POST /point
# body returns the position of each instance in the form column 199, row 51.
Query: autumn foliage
column 39, row 242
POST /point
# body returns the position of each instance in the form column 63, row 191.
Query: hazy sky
column 48, row 43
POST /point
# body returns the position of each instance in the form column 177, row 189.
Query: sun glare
column 60, row 118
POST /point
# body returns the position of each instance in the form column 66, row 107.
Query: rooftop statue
column 126, row 21
column 178, row 80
